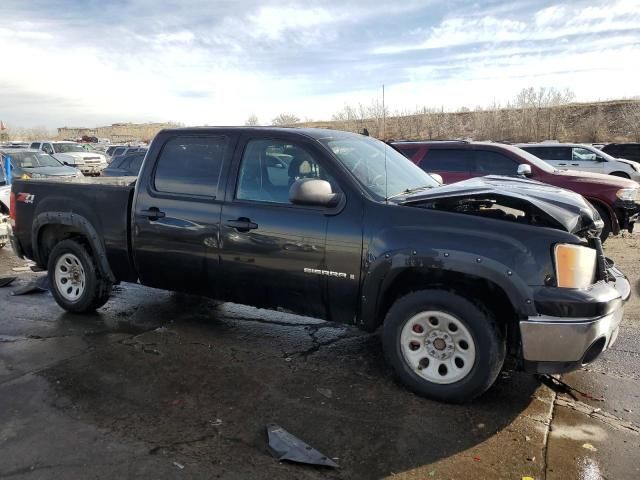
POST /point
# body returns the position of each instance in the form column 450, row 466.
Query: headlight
column 630, row 194
column 25, row 176
column 575, row 265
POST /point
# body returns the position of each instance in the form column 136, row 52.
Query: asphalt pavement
column 162, row 385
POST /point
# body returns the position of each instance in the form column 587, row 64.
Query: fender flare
column 615, row 225
column 81, row 224
column 381, row 273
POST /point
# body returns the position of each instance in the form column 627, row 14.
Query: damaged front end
column 517, row 200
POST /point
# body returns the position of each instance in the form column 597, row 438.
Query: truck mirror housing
column 313, row 191
column 524, row 170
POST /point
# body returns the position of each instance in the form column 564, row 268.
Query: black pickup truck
column 341, row 227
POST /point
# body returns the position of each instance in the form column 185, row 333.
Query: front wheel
column 74, row 278
column 604, row 215
column 442, row 346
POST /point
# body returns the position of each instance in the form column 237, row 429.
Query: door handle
column 242, row 224
column 575, row 164
column 562, row 164
column 152, row 214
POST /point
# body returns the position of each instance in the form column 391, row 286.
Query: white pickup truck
column 73, row 155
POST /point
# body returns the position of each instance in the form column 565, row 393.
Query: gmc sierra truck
column 341, row 227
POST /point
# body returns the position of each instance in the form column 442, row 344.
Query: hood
column 62, row 171
column 635, row 165
column 516, row 199
column 71, row 157
column 596, row 178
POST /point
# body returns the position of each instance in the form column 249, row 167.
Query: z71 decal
column 25, row 197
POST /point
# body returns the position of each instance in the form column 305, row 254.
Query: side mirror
column 600, row 159
column 437, row 177
column 312, row 191
column 524, row 170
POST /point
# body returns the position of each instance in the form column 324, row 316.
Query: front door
column 177, row 214
column 273, row 253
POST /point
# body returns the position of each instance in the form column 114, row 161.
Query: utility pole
column 384, row 116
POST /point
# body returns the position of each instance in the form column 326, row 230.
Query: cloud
column 77, row 63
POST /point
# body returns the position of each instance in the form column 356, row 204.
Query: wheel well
column 51, row 235
column 620, row 174
column 480, row 291
column 613, row 220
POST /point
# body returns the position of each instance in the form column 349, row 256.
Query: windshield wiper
column 408, row 191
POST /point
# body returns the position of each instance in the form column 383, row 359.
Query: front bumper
column 4, row 230
column 627, row 213
column 91, row 170
column 556, row 344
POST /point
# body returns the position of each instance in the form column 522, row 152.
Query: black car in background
column 629, row 151
column 125, row 166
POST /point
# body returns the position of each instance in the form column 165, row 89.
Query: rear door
column 176, row 214
column 274, row 253
column 453, row 164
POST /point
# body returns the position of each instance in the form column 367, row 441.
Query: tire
column 484, row 355
column 604, row 214
column 75, row 280
column 620, row 174
column 2, row 245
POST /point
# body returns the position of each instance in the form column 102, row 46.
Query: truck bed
column 104, row 202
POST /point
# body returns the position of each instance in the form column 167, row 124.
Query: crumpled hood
column 567, row 210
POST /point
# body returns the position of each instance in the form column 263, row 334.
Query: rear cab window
column 190, row 165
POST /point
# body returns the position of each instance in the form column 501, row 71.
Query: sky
column 95, row 62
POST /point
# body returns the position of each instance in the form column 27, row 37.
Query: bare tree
column 285, row 120
column 631, row 120
column 252, row 121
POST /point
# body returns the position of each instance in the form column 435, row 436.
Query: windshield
column 33, row 160
column 531, row 158
column 67, row 147
column 382, row 170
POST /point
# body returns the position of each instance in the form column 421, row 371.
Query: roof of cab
column 315, row 133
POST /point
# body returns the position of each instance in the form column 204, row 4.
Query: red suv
column 613, row 197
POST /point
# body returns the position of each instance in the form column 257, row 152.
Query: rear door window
column 446, row 160
column 409, row 152
column 191, row 165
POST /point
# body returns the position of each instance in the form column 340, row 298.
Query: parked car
column 30, row 163
column 122, row 151
column 455, row 276
column 73, row 155
column 126, row 165
column 587, row 158
column 615, row 198
column 629, row 151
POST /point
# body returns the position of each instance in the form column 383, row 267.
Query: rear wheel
column 76, row 282
column 442, row 346
column 606, row 218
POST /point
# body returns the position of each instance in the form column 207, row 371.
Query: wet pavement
column 161, row 385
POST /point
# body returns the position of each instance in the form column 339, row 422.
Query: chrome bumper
column 554, row 339
column 4, row 230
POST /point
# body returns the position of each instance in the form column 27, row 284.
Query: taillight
column 12, row 206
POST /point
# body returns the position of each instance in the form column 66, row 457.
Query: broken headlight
column 575, row 265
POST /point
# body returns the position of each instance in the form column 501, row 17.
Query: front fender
column 382, row 271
